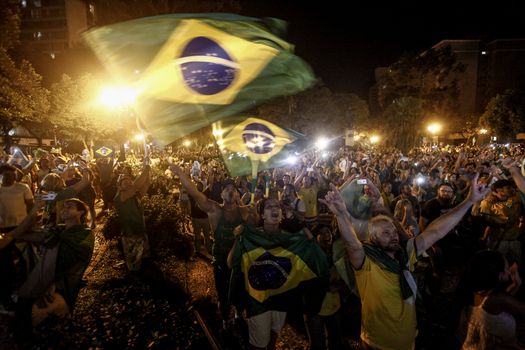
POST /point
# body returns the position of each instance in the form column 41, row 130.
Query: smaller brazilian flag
column 244, row 140
column 276, row 266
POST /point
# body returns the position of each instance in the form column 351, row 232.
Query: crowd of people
column 428, row 243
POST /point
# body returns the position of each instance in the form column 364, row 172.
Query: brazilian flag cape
column 343, row 265
column 243, row 140
column 278, row 272
column 189, row 70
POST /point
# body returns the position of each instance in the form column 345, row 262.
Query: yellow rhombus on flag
column 192, row 42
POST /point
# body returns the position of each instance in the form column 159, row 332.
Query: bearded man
column 383, row 269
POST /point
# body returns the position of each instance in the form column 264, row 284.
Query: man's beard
column 228, row 198
column 392, row 247
column 445, row 201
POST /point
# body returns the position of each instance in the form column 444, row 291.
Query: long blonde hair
column 52, row 182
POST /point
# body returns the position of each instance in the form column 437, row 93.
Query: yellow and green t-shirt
column 388, row 322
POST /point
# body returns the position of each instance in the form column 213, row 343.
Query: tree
column 429, row 77
column 317, row 109
column 505, row 114
column 77, row 114
column 403, row 122
column 22, row 97
column 355, row 110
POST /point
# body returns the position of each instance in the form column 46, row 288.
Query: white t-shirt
column 12, row 204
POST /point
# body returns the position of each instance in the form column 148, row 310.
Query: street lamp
column 121, row 99
column 434, row 129
column 374, row 139
column 117, row 97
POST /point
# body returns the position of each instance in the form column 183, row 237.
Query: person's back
column 73, row 257
column 131, row 216
column 15, row 199
column 488, row 319
column 487, row 331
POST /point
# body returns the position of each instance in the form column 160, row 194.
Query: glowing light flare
column 322, row 143
column 186, row 143
column 483, row 131
column 291, row 160
column 374, row 139
column 434, row 128
column 117, row 97
column 139, row 137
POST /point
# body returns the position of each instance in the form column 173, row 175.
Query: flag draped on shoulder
column 274, row 267
column 243, row 140
column 189, row 70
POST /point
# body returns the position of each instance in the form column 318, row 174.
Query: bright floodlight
column 217, row 132
column 187, row 143
column 291, row 160
column 115, row 97
column 434, row 128
column 139, row 137
column 374, row 139
column 322, row 143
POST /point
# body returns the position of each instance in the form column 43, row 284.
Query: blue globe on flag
column 206, row 67
column 269, row 272
column 258, row 138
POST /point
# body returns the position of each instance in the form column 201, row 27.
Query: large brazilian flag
column 276, row 270
column 244, row 142
column 189, row 70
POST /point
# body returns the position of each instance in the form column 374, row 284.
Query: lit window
column 483, row 52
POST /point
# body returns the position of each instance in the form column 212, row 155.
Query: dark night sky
column 345, row 40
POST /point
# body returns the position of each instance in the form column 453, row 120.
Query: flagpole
column 255, row 169
column 139, row 126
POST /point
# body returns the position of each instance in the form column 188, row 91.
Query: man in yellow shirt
column 383, row 269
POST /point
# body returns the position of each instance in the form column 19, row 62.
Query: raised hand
column 508, row 163
column 334, row 201
column 477, row 191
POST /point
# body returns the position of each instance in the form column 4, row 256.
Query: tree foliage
column 317, row 109
column 505, row 114
column 415, row 87
column 403, row 122
column 77, row 114
column 429, row 77
column 22, row 97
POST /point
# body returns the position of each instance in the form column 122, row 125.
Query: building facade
column 52, row 26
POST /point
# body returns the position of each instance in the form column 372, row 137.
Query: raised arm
column 510, row 164
column 23, row 231
column 354, row 248
column 299, row 178
column 445, row 223
column 86, row 180
column 141, row 183
column 204, row 203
